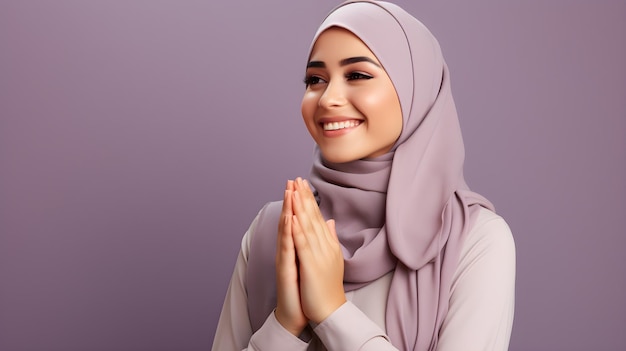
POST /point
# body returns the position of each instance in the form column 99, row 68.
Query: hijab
column 405, row 212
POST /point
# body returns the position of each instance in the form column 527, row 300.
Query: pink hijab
column 407, row 211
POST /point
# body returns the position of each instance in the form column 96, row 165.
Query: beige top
column 480, row 316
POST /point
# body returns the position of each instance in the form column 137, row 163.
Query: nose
column 333, row 96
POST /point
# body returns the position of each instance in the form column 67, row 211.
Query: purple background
column 138, row 139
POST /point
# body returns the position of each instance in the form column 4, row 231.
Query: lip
column 338, row 119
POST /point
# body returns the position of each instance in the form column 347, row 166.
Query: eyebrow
column 344, row 62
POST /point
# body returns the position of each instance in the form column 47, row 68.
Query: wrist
column 292, row 327
column 329, row 310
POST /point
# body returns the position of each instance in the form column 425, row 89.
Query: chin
column 339, row 157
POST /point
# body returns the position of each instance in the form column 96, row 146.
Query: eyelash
column 358, row 75
column 312, row 80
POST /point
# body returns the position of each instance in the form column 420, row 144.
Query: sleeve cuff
column 272, row 336
column 348, row 328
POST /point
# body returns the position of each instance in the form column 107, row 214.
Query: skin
column 345, row 83
column 309, row 262
column 359, row 91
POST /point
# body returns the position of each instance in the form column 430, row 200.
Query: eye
column 357, row 75
column 313, row 80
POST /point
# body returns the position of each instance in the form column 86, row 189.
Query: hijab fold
column 407, row 211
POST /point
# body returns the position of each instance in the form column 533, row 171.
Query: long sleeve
column 234, row 331
column 482, row 299
column 348, row 328
column 480, row 315
column 479, row 318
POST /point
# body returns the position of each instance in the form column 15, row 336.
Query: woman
column 391, row 251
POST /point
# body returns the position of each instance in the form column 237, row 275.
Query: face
column 350, row 106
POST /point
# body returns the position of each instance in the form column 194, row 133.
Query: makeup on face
column 350, row 105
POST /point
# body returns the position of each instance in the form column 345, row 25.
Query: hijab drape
column 407, row 211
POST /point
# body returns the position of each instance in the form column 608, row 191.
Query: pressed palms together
column 309, row 262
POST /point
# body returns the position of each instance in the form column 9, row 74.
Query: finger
column 285, row 250
column 308, row 207
column 287, row 197
column 306, row 226
column 300, row 240
column 284, row 240
column 303, row 186
column 287, row 201
column 332, row 229
column 288, row 306
column 332, row 238
column 311, row 221
column 316, row 220
column 287, row 210
column 311, row 202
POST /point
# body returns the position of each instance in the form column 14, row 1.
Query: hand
column 319, row 254
column 288, row 309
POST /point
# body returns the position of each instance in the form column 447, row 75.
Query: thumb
column 331, row 227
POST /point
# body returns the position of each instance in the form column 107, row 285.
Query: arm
column 348, row 328
column 234, row 331
column 339, row 324
column 482, row 299
column 481, row 304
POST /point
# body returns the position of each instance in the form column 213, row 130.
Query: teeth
column 341, row 125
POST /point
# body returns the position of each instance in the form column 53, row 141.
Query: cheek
column 395, row 117
column 395, row 113
column 308, row 108
column 306, row 104
column 374, row 101
column 385, row 105
column 382, row 105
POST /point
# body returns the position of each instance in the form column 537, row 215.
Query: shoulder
column 490, row 233
column 487, row 254
column 482, row 296
column 264, row 223
column 259, row 249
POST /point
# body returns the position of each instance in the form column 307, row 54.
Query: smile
column 340, row 125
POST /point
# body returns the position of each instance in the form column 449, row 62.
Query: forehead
column 338, row 43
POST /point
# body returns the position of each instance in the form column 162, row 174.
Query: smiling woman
column 350, row 106
column 386, row 248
